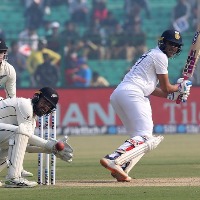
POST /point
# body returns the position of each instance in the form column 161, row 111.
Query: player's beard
column 38, row 111
column 171, row 51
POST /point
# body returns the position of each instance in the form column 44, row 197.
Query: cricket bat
column 192, row 59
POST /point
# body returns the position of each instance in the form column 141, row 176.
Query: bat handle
column 178, row 100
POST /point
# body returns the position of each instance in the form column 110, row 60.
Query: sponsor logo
column 177, row 35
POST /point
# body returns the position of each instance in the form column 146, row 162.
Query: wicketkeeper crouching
column 17, row 125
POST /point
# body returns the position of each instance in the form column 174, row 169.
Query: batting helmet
column 172, row 36
column 47, row 93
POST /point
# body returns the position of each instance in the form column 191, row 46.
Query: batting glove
column 184, row 86
column 174, row 96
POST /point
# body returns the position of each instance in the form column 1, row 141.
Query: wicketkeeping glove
column 66, row 154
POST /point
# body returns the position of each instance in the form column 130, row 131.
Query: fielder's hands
column 66, row 154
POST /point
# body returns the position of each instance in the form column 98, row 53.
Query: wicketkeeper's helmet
column 47, row 93
column 172, row 36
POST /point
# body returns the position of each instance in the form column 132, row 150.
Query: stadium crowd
column 92, row 32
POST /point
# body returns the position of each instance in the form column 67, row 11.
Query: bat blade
column 193, row 56
column 192, row 59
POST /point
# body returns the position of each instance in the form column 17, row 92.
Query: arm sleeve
column 24, row 111
column 10, row 85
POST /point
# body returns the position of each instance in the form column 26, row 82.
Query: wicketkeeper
column 130, row 101
column 17, row 125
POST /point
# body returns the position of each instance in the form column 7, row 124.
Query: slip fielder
column 8, row 81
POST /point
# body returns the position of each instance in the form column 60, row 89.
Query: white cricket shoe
column 19, row 183
column 25, row 173
column 116, row 171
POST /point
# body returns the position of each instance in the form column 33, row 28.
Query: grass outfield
column 170, row 172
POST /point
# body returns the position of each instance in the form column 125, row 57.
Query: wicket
column 44, row 124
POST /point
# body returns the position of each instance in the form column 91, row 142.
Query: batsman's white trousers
column 134, row 110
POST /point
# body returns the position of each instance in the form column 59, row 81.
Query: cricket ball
column 60, row 146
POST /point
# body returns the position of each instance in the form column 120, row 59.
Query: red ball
column 60, row 146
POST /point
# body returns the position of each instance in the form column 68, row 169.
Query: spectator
column 143, row 4
column 180, row 15
column 71, row 60
column 136, row 42
column 36, row 58
column 73, row 76
column 69, row 33
column 110, row 23
column 46, row 73
column 34, row 15
column 98, row 81
column 118, row 46
column 132, row 18
column 28, row 40
column 72, row 46
column 46, row 30
column 84, row 75
column 93, row 48
column 100, row 11
column 78, row 11
column 17, row 60
column 53, row 40
column 71, row 68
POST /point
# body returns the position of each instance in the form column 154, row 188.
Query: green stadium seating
column 12, row 22
column 112, row 70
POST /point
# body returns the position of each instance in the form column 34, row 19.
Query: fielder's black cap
column 3, row 45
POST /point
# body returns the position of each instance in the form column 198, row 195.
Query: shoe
column 0, row 184
column 19, row 183
column 25, row 173
column 116, row 171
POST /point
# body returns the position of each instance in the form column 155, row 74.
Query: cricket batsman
column 130, row 100
column 18, row 122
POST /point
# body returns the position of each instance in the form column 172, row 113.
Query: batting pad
column 16, row 152
column 133, row 162
column 149, row 145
